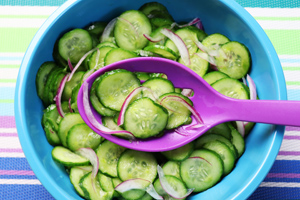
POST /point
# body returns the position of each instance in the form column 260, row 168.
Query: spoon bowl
column 213, row 107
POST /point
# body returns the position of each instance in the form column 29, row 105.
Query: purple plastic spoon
column 213, row 107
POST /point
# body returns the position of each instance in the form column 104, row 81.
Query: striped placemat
column 19, row 21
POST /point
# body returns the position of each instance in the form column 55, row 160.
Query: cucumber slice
column 70, row 85
column 147, row 8
column 235, row 60
column 201, row 174
column 55, row 85
column 137, row 164
column 106, row 184
column 144, row 118
column 108, row 154
column 201, row 141
column 92, row 189
column 175, row 183
column 53, row 74
column 198, row 65
column 97, row 105
column 114, row 87
column 237, row 140
column 96, row 28
column 180, row 153
column 110, row 123
column 162, row 51
column 214, row 76
column 172, row 168
column 159, row 86
column 178, row 114
column 117, row 54
column 74, row 44
column 143, row 76
column 51, row 134
column 129, row 30
column 221, row 129
column 232, row 88
column 225, row 153
column 76, row 173
column 93, row 64
column 42, row 77
column 214, row 41
column 200, row 33
column 70, row 120
column 188, row 36
column 67, row 157
column 81, row 135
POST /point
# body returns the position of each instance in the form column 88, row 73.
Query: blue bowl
column 222, row 16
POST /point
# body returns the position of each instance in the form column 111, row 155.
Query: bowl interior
column 225, row 17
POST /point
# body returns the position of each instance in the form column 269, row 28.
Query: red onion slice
column 240, row 127
column 93, row 120
column 184, row 103
column 168, row 188
column 182, row 48
column 187, row 92
column 252, row 87
column 207, row 57
column 199, row 25
column 70, row 106
column 92, row 157
column 108, row 30
column 79, row 62
column 154, row 40
column 128, row 100
column 70, row 64
column 57, row 98
column 140, row 184
column 194, row 21
column 207, row 50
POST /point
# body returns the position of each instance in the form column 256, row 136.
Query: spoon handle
column 267, row 111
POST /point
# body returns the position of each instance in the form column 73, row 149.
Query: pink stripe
column 283, row 175
column 289, row 153
column 8, row 134
column 16, row 172
column 7, row 122
column 292, row 128
column 11, row 150
column 291, row 137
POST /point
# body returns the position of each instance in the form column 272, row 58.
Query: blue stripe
column 31, row 3
column 293, row 94
column 18, row 177
column 275, row 193
column 7, row 109
column 24, row 192
column 286, row 166
column 270, row 3
column 7, row 92
column 288, row 180
column 289, row 60
column 14, row 164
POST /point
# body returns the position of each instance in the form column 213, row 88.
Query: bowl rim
column 51, row 185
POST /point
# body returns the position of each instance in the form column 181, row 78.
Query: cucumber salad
column 141, row 105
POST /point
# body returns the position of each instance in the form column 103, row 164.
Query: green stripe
column 270, row 3
column 32, row 2
column 9, row 66
column 286, row 42
column 6, row 101
column 8, row 80
column 16, row 39
column 25, row 16
column 291, row 68
column 293, row 83
column 278, row 18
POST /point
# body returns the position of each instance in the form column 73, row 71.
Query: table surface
column 19, row 21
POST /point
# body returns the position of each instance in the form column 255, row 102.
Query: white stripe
column 274, row 12
column 287, row 157
column 9, row 73
column 11, row 155
column 27, row 10
column 10, row 142
column 292, row 133
column 293, row 87
column 287, row 64
column 292, row 75
column 10, row 54
column 10, row 62
column 17, row 23
column 8, row 130
column 290, row 145
column 7, row 84
column 20, row 181
column 279, row 25
column 279, row 184
column 289, row 57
